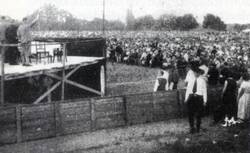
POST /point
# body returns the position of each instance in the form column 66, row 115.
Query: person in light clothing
column 196, row 99
column 244, row 99
column 25, row 38
column 161, row 83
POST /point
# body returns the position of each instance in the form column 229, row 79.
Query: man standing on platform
column 25, row 38
column 3, row 27
column 196, row 99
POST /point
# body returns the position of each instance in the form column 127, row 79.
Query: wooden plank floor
column 19, row 71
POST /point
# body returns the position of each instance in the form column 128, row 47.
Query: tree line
column 52, row 18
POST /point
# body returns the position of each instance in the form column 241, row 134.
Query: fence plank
column 18, row 124
column 75, row 117
column 92, row 115
column 139, row 108
column 38, row 122
column 165, row 105
column 8, row 128
column 109, row 112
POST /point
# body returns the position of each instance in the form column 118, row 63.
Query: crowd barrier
column 32, row 122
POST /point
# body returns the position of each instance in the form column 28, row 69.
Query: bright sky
column 231, row 11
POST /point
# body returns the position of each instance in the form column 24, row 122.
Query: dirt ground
column 173, row 137
column 162, row 137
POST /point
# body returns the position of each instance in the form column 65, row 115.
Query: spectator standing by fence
column 161, row 83
column 196, row 98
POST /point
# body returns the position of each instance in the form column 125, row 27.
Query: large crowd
column 208, row 57
column 176, row 50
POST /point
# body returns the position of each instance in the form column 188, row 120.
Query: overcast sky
column 231, row 11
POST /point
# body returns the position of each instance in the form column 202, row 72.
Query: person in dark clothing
column 173, row 78
column 213, row 52
column 229, row 100
column 224, row 73
column 148, row 59
column 112, row 54
column 157, row 61
column 199, row 51
column 181, row 66
column 12, row 53
column 213, row 75
column 118, row 53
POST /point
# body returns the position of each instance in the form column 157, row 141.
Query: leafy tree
column 187, row 22
column 116, row 25
column 171, row 22
column 52, row 18
column 239, row 27
column 144, row 23
column 165, row 22
column 213, row 22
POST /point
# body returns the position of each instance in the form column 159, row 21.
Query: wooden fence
column 31, row 122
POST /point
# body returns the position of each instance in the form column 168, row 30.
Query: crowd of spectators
column 219, row 51
column 222, row 57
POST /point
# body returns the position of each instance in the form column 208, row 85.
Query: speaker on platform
column 12, row 54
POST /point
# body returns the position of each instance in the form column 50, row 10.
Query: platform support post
column 102, row 80
column 49, row 95
column 2, row 72
column 63, row 72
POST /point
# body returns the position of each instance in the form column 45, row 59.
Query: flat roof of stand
column 66, row 36
column 20, row 71
column 66, row 40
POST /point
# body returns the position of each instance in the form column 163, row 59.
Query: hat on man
column 194, row 65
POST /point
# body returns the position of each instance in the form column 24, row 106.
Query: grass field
column 127, row 79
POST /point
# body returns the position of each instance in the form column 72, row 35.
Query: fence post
column 2, row 73
column 18, row 124
column 102, row 80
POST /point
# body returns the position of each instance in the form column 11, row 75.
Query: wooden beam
column 82, row 87
column 8, row 45
column 2, row 73
column 73, row 71
column 54, row 76
column 49, row 95
column 74, row 84
column 47, row 92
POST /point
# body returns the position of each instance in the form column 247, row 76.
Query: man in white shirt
column 196, row 99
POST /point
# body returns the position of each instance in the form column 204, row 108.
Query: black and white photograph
column 124, row 76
